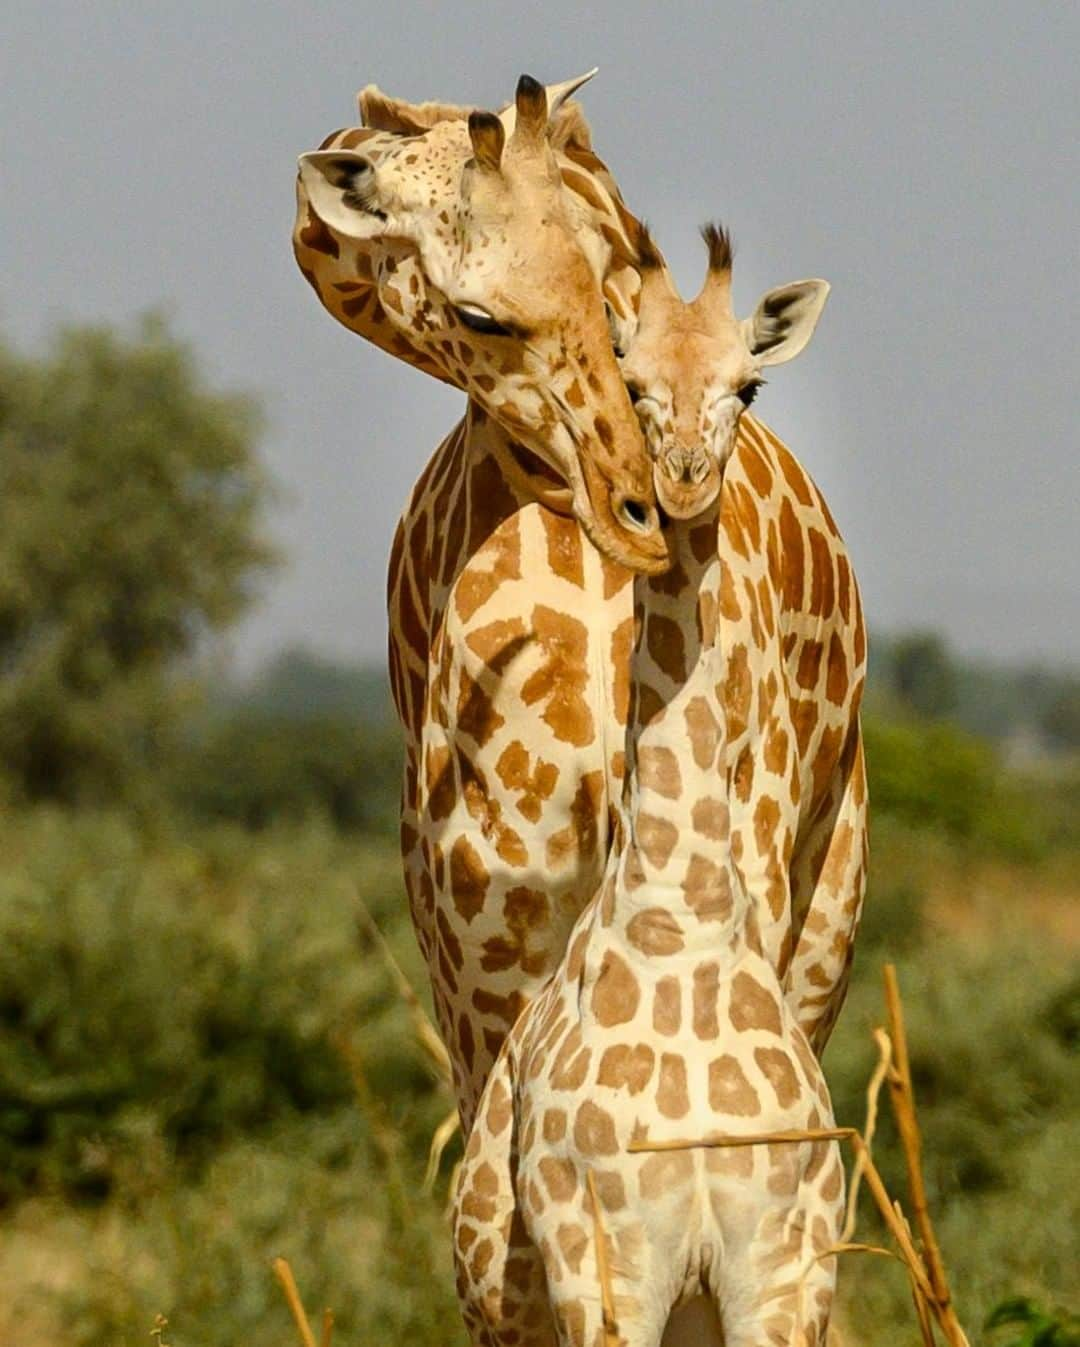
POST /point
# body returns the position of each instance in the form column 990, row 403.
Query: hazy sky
column 920, row 155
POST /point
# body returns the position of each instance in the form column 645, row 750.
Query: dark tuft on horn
column 649, row 256
column 718, row 241
column 532, row 94
column 488, row 137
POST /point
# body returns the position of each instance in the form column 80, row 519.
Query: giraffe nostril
column 635, row 514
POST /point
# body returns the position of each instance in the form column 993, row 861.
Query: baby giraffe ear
column 342, row 187
column 784, row 320
column 487, row 135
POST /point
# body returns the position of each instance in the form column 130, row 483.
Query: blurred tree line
column 132, row 530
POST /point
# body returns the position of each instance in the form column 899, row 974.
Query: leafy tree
column 130, row 504
column 923, row 674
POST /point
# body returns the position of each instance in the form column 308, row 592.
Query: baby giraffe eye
column 749, row 391
column 479, row 320
column 634, row 391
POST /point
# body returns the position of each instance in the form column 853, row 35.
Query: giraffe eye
column 749, row 391
column 479, row 320
column 634, row 391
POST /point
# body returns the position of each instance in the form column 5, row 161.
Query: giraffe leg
column 501, row 1284
column 829, row 873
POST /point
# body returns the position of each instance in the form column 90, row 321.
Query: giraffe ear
column 343, row 189
column 784, row 320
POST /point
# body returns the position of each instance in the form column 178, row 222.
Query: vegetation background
column 203, row 1059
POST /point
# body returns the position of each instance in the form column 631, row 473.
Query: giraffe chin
column 685, row 500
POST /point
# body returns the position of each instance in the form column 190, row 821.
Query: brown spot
column 482, row 1256
column 706, row 990
column 316, row 236
column 791, row 543
column 626, row 1068
column 729, row 1091
column 796, row 477
column 738, row 692
column 560, row 1178
column 594, row 1130
column 616, row 992
column 809, row 669
column 836, row 681
column 843, row 586
column 756, row 469
column 561, row 679
column 564, row 550
column 654, row 931
column 667, row 1007
column 742, row 780
column 656, row 838
column 571, row 1062
column 729, row 602
column 476, row 714
column 534, row 786
column 604, row 432
column 609, row 1189
column 573, row 1242
column 766, row 822
column 753, row 1006
column 707, row 888
column 672, row 1095
column 776, row 1067
column 554, row 1125
column 776, row 749
column 823, row 587
column 622, row 644
column 662, row 1172
column 498, row 561
column 664, row 639
column 703, row 730
column 469, row 878
column 658, row 770
column 805, row 718
column 579, row 838
column 709, row 817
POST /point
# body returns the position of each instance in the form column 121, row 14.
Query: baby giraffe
column 666, row 1021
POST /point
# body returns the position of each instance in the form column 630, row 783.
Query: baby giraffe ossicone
column 665, row 1021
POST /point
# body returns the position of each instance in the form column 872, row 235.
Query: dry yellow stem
column 283, row 1272
column 442, row 1137
column 794, row 1137
column 903, row 1101
column 873, row 1090
column 426, row 1033
column 327, row 1328
column 603, row 1272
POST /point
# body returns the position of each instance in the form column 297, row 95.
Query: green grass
column 176, row 1107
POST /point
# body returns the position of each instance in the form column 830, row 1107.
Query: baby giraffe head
column 488, row 268
column 693, row 369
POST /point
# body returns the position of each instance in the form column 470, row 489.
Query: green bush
column 932, row 775
column 197, row 992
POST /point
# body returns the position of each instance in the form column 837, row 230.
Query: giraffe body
column 665, row 1020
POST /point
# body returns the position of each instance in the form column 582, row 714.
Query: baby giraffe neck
column 676, row 887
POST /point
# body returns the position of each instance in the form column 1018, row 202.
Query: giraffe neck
column 676, row 871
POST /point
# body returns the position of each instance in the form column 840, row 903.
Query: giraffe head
column 693, row 369
column 487, row 266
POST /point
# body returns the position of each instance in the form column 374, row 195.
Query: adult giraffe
column 504, row 619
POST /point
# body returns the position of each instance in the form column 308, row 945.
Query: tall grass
column 204, row 1064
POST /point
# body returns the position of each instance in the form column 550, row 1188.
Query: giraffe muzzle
column 687, row 480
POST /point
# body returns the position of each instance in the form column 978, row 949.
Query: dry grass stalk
column 327, row 1329
column 902, row 1097
column 873, row 1090
column 442, row 1137
column 283, row 1272
column 792, row 1137
column 426, row 1033
column 603, row 1272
